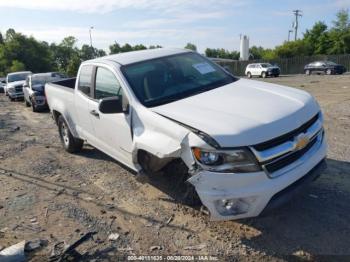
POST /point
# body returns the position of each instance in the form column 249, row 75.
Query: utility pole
column 91, row 27
column 297, row 14
column 92, row 49
column 289, row 31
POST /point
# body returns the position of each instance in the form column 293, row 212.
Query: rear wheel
column 70, row 143
column 249, row 75
column 329, row 72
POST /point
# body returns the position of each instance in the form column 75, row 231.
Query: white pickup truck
column 247, row 146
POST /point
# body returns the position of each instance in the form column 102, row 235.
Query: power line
column 297, row 13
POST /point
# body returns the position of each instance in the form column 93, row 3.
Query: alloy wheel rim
column 64, row 133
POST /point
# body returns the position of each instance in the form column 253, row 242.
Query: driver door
column 112, row 131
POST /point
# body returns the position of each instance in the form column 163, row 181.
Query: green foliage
column 73, row 65
column 19, row 52
column 35, row 55
column 154, row 46
column 293, row 48
column 191, row 46
column 17, row 66
column 221, row 53
column 116, row 48
column 319, row 40
column 87, row 52
column 340, row 34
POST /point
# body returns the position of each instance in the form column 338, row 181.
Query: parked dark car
column 324, row 67
column 34, row 89
column 2, row 84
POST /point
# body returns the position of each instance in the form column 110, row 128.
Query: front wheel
column 329, row 72
column 70, row 143
column 34, row 108
column 263, row 74
column 249, row 75
column 307, row 72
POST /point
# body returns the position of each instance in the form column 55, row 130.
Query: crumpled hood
column 16, row 83
column 243, row 113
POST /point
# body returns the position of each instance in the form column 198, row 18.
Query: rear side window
column 107, row 84
column 85, row 79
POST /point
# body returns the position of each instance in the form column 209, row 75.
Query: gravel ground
column 51, row 195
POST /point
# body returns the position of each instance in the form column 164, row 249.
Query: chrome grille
column 19, row 88
column 276, row 154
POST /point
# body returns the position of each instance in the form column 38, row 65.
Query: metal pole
column 90, row 35
column 297, row 14
column 92, row 49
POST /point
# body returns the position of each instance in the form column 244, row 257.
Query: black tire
column 34, row 108
column 307, row 72
column 249, row 75
column 263, row 74
column 26, row 102
column 70, row 143
column 329, row 72
column 11, row 99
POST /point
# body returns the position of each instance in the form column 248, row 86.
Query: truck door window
column 85, row 80
column 107, row 84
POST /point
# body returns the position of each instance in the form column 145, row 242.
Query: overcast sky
column 173, row 23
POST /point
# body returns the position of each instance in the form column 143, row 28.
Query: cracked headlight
column 226, row 161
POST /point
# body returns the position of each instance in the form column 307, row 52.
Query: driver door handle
column 94, row 113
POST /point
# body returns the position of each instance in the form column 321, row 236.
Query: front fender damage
column 165, row 141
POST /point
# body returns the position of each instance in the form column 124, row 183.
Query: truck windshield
column 167, row 79
column 17, row 77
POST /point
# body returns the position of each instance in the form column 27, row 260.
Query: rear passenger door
column 113, row 131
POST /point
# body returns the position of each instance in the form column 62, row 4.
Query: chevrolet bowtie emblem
column 301, row 141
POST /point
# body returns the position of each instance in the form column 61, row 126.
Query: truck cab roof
column 138, row 56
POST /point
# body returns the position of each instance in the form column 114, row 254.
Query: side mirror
column 111, row 105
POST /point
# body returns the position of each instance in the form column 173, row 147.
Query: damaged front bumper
column 242, row 195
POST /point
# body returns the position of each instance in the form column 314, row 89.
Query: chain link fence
column 294, row 65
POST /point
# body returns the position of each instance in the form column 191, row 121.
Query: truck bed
column 69, row 82
column 60, row 97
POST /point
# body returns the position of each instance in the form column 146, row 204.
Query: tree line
column 19, row 52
